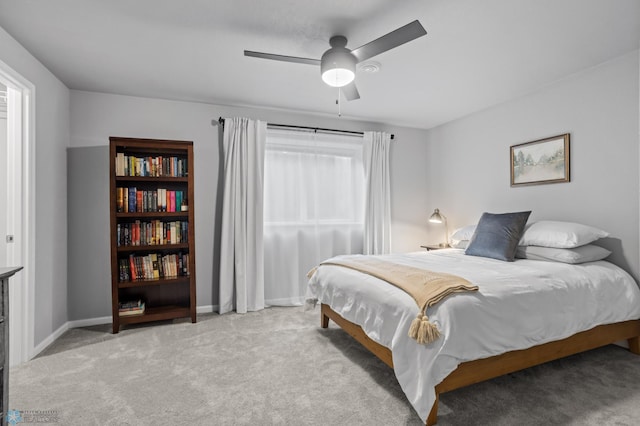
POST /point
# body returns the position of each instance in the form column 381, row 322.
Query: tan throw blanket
column 426, row 287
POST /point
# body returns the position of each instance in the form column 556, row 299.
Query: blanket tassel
column 423, row 331
column 311, row 272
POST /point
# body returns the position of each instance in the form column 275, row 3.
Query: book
column 119, row 199
column 130, row 304
column 185, row 231
column 178, row 201
column 158, row 232
column 162, row 199
column 132, row 311
column 127, row 234
column 121, row 270
column 172, row 228
column 135, row 238
column 185, row 265
column 156, row 270
column 132, row 199
column 132, row 267
column 120, row 164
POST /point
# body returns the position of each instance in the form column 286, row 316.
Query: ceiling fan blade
column 388, row 41
column 282, row 58
column 350, row 91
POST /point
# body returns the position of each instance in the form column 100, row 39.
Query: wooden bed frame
column 471, row 372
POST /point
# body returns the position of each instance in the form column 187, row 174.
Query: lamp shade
column 338, row 65
column 436, row 217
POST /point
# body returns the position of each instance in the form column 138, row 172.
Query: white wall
column 3, row 187
column 51, row 138
column 468, row 159
column 96, row 116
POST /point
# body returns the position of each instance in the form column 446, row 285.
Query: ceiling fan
column 338, row 64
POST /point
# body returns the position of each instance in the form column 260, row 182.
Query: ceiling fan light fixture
column 338, row 65
column 338, row 77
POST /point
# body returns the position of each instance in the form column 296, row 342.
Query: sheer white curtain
column 241, row 259
column 313, row 207
column 377, row 220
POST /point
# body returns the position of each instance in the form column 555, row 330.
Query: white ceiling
column 476, row 53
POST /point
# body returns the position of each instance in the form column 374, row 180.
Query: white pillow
column 459, row 244
column 586, row 253
column 464, row 233
column 547, row 233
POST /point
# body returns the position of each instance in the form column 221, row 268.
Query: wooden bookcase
column 153, row 255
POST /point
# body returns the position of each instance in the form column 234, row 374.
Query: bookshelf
column 153, row 274
column 5, row 274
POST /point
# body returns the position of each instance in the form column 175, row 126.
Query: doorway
column 17, row 220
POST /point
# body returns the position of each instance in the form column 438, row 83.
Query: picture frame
column 541, row 161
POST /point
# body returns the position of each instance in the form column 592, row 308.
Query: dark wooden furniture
column 430, row 247
column 471, row 372
column 170, row 294
column 5, row 274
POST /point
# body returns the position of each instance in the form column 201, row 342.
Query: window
column 313, row 178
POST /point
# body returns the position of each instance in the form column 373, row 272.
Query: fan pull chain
column 339, row 103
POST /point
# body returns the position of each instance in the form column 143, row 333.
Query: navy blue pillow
column 497, row 235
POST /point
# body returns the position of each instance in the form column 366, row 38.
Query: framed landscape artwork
column 541, row 161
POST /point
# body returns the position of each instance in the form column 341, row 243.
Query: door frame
column 21, row 220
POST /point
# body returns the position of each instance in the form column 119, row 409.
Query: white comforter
column 518, row 305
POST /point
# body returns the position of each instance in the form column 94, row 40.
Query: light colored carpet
column 278, row 367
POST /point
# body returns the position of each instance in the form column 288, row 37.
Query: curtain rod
column 315, row 129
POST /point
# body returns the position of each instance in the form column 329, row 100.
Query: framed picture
column 541, row 161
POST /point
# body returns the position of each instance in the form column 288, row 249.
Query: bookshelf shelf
column 152, row 282
column 157, row 314
column 150, row 215
column 155, row 247
column 155, row 179
column 152, row 229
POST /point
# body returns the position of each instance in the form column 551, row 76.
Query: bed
column 525, row 313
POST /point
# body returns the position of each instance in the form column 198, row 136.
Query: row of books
column 154, row 232
column 130, row 165
column 153, row 266
column 135, row 307
column 131, row 199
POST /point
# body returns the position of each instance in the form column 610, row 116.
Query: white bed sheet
column 519, row 305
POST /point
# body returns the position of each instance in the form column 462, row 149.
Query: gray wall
column 96, row 116
column 51, row 138
column 468, row 159
column 88, row 206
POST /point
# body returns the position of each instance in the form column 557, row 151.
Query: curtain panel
column 313, row 207
column 377, row 219
column 242, row 256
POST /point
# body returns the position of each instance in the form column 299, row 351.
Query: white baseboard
column 49, row 340
column 289, row 301
column 89, row 322
column 207, row 309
